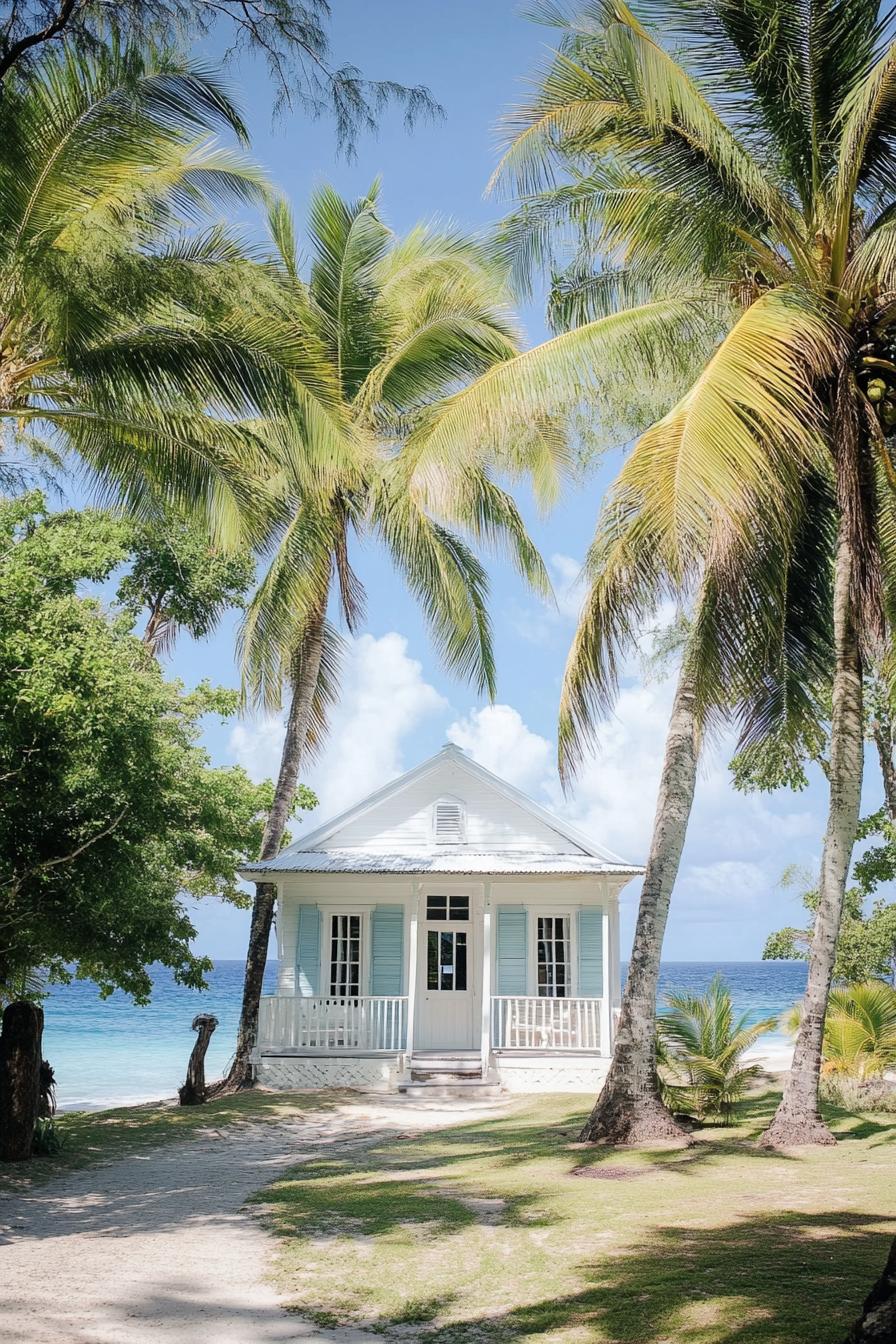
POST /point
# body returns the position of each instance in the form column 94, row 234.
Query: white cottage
column 446, row 928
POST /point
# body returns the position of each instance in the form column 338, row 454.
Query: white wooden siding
column 403, row 823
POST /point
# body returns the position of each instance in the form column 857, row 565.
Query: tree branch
column 14, row 53
column 17, row 880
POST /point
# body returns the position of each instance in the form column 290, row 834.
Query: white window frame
column 448, row 801
column 327, row 913
column 553, row 912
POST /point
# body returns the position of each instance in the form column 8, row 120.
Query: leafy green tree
column 291, row 36
column 402, row 325
column 110, row 812
column 180, row 580
column 866, row 946
column 746, row 176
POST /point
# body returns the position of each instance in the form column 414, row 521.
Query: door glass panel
column 460, row 961
column 553, row 956
column 446, row 960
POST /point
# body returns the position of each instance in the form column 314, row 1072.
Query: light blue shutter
column 591, row 953
column 308, row 951
column 387, row 949
column 511, row 950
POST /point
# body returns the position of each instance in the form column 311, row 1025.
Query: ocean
column 112, row 1053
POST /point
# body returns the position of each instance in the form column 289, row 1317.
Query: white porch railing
column 288, row 1022
column 529, row 1023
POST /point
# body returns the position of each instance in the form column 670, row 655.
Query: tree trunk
column 883, row 740
column 193, row 1092
column 798, row 1117
column 877, row 1324
column 304, row 688
column 628, row 1109
column 20, row 1060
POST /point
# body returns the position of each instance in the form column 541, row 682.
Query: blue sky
column 398, row 706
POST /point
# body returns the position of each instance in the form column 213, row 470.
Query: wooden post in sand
column 194, row 1092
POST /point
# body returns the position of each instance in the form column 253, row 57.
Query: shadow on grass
column 446, row 1179
column 795, row 1278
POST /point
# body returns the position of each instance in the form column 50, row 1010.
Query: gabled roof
column 311, row 853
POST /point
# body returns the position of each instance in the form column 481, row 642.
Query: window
column 553, row 956
column 448, row 822
column 446, row 959
column 345, row 956
column 447, row 907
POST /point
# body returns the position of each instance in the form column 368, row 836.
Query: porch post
column 615, row 968
column 486, row 1042
column 412, row 965
column 606, row 1007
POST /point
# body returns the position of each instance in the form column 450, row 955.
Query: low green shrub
column 852, row 1094
column 48, row 1138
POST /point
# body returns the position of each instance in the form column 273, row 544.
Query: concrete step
column 470, row 1089
column 445, row 1076
column 447, row 1063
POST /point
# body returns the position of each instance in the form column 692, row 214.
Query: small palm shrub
column 48, row 1138
column 859, row 1031
column 700, row 1052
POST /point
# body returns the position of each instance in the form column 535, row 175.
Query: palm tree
column 860, row 1030
column 119, row 338
column 401, row 325
column 703, row 1047
column 745, row 181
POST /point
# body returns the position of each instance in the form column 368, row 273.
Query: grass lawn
column 101, row 1136
column 506, row 1229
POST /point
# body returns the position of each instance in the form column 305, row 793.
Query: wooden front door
column 448, row 974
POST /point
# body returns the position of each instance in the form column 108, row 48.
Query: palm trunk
column 240, row 1074
column 798, row 1117
column 629, row 1109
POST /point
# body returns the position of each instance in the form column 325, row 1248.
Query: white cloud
column 384, row 698
column 722, row 889
column 497, row 738
column 614, row 795
column 257, row 745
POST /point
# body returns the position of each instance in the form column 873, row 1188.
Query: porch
column 379, row 1024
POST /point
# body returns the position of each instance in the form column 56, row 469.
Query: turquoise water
column 109, row 1052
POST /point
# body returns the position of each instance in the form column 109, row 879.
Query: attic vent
column 448, row 823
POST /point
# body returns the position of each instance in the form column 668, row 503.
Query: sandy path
column 157, row 1247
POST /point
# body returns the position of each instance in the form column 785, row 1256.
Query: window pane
column 436, row 907
column 345, row 956
column 432, row 960
column 552, row 954
column 459, row 907
column 460, row 961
